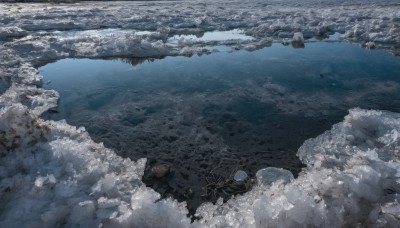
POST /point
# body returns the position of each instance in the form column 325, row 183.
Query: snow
column 53, row 174
column 234, row 34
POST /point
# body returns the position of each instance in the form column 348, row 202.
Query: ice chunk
column 298, row 40
column 9, row 32
column 16, row 129
column 269, row 175
column 240, row 175
column 370, row 45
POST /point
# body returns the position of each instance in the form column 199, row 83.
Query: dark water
column 4, row 85
column 206, row 117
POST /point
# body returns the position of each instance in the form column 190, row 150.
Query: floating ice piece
column 269, row 175
column 298, row 40
column 334, row 37
column 370, row 45
column 240, row 175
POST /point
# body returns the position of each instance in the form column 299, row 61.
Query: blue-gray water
column 4, row 85
column 208, row 116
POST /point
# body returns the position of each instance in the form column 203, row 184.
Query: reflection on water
column 137, row 60
column 220, row 48
column 205, row 117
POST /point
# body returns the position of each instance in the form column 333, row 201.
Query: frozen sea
column 106, row 122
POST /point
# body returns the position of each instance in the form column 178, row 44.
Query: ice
column 99, row 33
column 90, row 34
column 268, row 176
column 69, row 179
column 327, row 194
column 240, row 175
column 55, row 174
column 52, row 174
column 235, row 34
column 298, row 40
column 362, row 130
column 11, row 32
column 342, row 185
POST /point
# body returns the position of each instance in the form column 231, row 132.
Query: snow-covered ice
column 53, row 174
column 215, row 36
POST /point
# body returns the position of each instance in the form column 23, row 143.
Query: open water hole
column 206, row 117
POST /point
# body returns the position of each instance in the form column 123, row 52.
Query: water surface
column 4, row 85
column 206, row 117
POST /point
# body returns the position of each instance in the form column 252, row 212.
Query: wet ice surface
column 209, row 116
